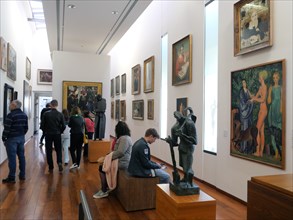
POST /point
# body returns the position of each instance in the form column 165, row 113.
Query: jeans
column 56, row 139
column 15, row 146
column 164, row 177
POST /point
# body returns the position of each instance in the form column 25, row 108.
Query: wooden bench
column 135, row 193
column 98, row 149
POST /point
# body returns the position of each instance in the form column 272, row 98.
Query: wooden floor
column 45, row 195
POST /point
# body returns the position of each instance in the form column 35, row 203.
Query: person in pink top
column 90, row 129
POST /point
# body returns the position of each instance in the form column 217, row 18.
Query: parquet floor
column 45, row 195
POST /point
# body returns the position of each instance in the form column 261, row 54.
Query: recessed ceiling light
column 114, row 12
column 71, row 6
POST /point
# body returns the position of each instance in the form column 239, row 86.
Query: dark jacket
column 44, row 110
column 140, row 164
column 15, row 124
column 53, row 122
column 77, row 124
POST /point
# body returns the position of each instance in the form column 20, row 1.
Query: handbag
column 85, row 138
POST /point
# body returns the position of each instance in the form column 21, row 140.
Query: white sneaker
column 73, row 166
column 100, row 194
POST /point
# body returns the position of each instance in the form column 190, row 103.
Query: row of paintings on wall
column 8, row 64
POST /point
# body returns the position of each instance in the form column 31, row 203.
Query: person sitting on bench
column 122, row 152
column 140, row 164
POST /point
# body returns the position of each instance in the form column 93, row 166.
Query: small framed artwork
column 8, row 98
column 252, row 25
column 136, row 72
column 112, row 88
column 149, row 74
column 123, row 83
column 122, row 110
column 258, row 114
column 151, row 109
column 26, row 97
column 3, row 54
column 182, row 61
column 117, row 109
column 28, row 69
column 45, row 77
column 11, row 62
column 181, row 105
column 138, row 109
column 112, row 109
column 117, row 84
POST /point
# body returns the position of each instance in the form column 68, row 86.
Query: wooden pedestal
column 98, row 149
column 170, row 206
column 270, row 197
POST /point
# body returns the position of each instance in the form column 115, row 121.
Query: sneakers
column 60, row 167
column 73, row 166
column 8, row 180
column 100, row 195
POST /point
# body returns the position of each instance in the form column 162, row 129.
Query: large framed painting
column 123, row 83
column 3, row 54
column 258, row 113
column 138, row 109
column 117, row 85
column 8, row 98
column 181, row 105
column 28, row 68
column 112, row 88
column 117, row 109
column 253, row 28
column 182, row 61
column 45, row 77
column 123, row 110
column 81, row 94
column 149, row 74
column 26, row 98
column 135, row 77
column 150, row 109
column 11, row 62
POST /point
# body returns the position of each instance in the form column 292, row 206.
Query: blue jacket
column 140, row 161
column 15, row 124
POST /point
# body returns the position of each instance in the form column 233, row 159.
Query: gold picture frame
column 149, row 74
column 258, row 113
column 182, row 61
column 150, row 109
column 75, row 91
column 123, row 83
column 252, row 26
column 135, row 77
column 138, row 109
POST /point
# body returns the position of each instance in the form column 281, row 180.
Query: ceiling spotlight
column 114, row 12
column 71, row 6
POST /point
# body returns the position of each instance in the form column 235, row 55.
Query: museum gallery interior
column 224, row 67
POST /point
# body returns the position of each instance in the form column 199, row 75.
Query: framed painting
column 117, row 109
column 135, row 85
column 182, row 61
column 8, row 98
column 253, row 28
column 112, row 109
column 138, row 109
column 151, row 109
column 117, row 84
column 149, row 74
column 123, row 110
column 123, row 83
column 112, row 88
column 258, row 113
column 81, row 94
column 3, row 54
column 11, row 62
column 45, row 77
column 15, row 95
column 26, row 98
column 28, row 69
column 181, row 105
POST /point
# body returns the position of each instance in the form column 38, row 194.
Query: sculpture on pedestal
column 185, row 130
column 100, row 119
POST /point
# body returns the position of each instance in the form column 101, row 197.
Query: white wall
column 178, row 19
column 83, row 68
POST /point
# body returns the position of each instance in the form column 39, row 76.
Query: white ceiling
column 90, row 27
